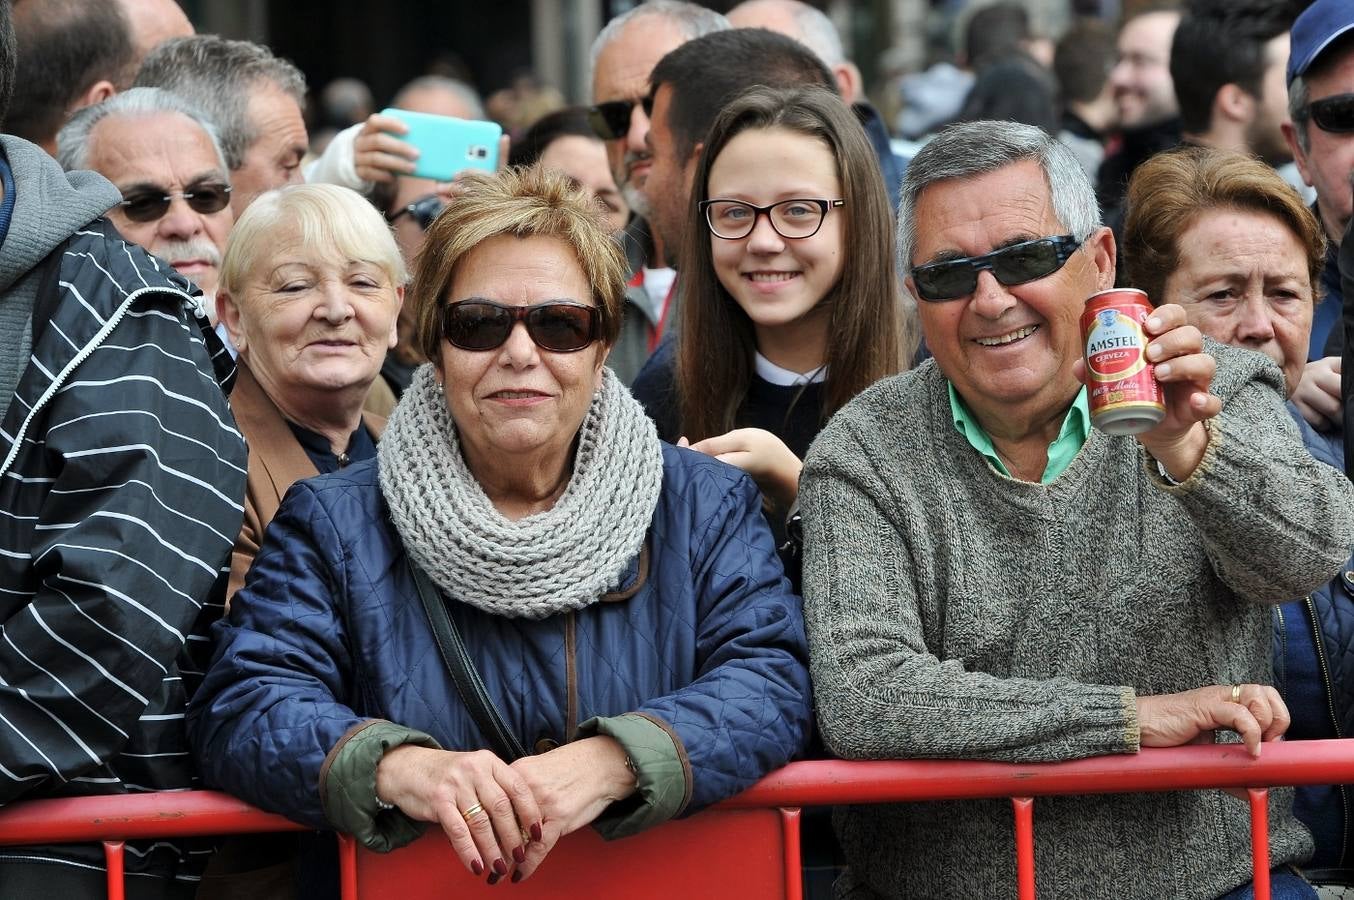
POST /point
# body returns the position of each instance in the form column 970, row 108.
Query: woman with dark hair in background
column 563, row 140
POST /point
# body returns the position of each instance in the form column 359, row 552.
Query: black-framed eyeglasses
column 1016, row 264
column 793, row 219
column 423, row 210
column 1334, row 114
column 560, row 326
column 150, row 204
column 611, row 120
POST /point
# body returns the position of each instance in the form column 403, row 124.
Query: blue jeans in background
column 1283, row 885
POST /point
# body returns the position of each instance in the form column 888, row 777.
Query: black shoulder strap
column 49, row 294
column 463, row 672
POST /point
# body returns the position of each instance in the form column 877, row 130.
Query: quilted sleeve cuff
column 662, row 773
column 348, row 785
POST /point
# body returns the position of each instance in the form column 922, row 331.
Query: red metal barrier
column 748, row 846
column 728, row 853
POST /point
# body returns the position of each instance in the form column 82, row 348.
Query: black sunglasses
column 611, row 120
column 560, row 326
column 423, row 210
column 1334, row 114
column 1016, row 264
column 152, row 203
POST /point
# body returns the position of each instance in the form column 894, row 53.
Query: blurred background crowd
column 918, row 60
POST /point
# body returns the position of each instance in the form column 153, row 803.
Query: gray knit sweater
column 955, row 613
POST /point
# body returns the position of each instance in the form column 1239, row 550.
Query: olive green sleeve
column 348, row 785
column 662, row 773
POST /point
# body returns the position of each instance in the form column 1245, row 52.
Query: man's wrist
column 1177, row 459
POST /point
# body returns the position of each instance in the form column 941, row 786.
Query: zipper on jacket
column 1319, row 643
column 1282, row 653
column 570, row 678
column 99, row 337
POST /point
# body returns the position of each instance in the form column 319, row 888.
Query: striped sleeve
column 145, row 473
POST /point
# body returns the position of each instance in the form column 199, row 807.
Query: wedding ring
column 473, row 811
column 1236, row 693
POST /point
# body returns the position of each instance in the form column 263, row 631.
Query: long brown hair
column 866, row 328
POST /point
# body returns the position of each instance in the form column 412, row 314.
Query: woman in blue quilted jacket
column 620, row 600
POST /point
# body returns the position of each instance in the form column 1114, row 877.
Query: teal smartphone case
column 447, row 146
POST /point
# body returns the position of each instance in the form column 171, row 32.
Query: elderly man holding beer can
column 989, row 576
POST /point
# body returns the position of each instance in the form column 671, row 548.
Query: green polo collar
column 1076, row 428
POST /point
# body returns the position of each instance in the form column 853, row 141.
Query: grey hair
column 819, row 34
column 215, row 74
column 692, row 20
column 816, row 30
column 976, row 148
column 468, row 95
column 1298, row 96
column 72, row 143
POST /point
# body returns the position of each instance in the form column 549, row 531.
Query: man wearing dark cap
column 1321, row 136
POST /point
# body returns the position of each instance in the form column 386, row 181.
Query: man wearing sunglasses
column 165, row 159
column 1032, row 589
column 1321, row 136
column 121, row 476
column 623, row 56
column 253, row 97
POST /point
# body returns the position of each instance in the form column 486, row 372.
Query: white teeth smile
column 771, row 276
column 1008, row 338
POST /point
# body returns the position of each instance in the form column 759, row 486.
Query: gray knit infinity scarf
column 562, row 559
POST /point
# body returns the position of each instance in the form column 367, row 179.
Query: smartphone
column 447, row 145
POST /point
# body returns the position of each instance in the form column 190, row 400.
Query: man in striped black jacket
column 121, row 479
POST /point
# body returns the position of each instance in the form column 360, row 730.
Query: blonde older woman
column 311, row 284
column 630, row 621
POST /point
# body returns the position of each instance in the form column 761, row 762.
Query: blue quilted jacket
column 328, row 631
column 1314, row 671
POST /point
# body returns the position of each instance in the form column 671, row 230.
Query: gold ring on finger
column 1236, row 693
column 472, row 812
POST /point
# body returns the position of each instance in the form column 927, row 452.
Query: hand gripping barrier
column 747, row 847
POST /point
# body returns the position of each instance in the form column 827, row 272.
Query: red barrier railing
column 115, row 819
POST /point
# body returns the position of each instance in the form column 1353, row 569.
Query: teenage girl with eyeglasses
column 788, row 290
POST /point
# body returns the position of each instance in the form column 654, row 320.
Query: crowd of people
column 715, row 429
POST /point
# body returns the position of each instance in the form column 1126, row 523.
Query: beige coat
column 276, row 462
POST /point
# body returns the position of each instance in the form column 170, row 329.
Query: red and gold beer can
column 1125, row 397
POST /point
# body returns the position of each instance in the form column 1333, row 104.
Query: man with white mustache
column 165, row 159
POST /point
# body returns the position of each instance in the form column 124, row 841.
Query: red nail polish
column 500, row 868
column 493, row 878
column 516, row 877
column 536, row 831
column 519, row 855
column 476, row 868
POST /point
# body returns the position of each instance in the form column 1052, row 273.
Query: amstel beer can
column 1125, row 397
